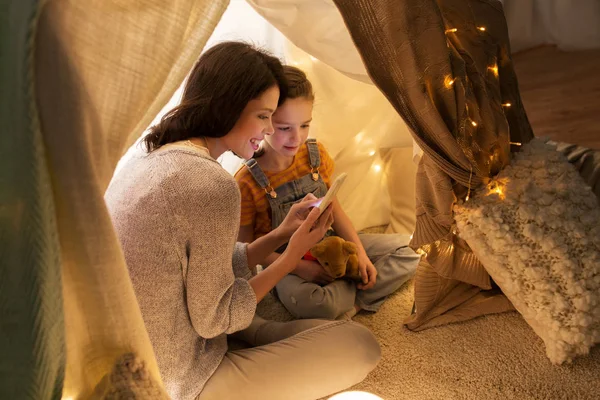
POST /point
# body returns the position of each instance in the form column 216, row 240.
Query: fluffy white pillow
column 536, row 230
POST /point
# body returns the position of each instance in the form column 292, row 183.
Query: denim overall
column 394, row 260
column 283, row 197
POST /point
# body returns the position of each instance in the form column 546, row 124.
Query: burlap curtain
column 446, row 68
column 80, row 80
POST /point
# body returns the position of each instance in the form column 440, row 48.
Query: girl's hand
column 312, row 271
column 296, row 216
column 367, row 270
column 311, row 231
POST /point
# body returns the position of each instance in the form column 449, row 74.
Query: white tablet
column 330, row 195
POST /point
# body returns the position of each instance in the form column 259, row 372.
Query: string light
column 359, row 137
column 473, row 123
column 506, row 105
column 451, row 30
column 469, row 188
column 494, row 69
column 516, row 143
column 481, row 28
column 377, row 167
column 449, row 81
column 372, row 153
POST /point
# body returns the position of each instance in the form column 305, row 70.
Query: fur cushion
column 536, row 230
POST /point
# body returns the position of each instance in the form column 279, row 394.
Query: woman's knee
column 362, row 345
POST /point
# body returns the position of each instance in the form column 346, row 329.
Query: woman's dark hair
column 224, row 79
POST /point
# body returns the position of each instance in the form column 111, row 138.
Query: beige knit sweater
column 176, row 212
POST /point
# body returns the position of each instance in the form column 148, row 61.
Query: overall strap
column 314, row 157
column 260, row 177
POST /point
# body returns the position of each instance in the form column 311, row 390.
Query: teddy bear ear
column 350, row 248
column 317, row 250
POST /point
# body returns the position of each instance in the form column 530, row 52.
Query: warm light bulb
column 452, row 30
column 506, row 105
column 481, row 28
column 467, row 198
column 515, row 143
column 473, row 123
column 377, row 167
column 449, row 81
column 494, row 69
column 372, row 153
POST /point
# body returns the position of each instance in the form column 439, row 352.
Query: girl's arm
column 344, row 228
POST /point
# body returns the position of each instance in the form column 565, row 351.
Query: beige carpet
column 494, row 357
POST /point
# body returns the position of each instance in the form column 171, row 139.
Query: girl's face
column 254, row 123
column 291, row 122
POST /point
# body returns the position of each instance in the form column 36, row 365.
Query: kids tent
column 82, row 81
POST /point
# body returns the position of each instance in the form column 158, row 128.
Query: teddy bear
column 338, row 257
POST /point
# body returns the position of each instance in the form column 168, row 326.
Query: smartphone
column 330, row 195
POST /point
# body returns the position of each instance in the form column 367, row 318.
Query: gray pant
column 395, row 262
column 296, row 360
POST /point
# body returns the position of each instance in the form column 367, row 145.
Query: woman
column 177, row 211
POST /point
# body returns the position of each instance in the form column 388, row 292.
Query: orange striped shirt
column 256, row 210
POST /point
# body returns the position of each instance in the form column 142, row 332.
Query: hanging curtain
column 86, row 78
column 446, row 68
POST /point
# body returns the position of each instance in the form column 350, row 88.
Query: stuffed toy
column 338, row 257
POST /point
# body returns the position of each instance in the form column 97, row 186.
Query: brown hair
column 297, row 83
column 222, row 82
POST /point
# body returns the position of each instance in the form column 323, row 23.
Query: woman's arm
column 344, row 228
column 307, row 235
column 263, row 247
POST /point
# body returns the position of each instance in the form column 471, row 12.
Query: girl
column 176, row 212
column 287, row 167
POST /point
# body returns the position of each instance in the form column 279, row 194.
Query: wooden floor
column 561, row 93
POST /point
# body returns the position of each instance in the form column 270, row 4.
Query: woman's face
column 254, row 123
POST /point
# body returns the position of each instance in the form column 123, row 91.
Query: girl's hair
column 298, row 84
column 222, row 82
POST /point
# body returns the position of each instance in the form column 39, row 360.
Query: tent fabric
column 445, row 66
column 32, row 344
column 95, row 74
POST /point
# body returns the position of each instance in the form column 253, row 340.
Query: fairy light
column 377, row 167
column 449, row 81
column 358, row 138
column 481, row 28
column 507, row 105
column 469, row 188
column 516, row 143
column 494, row 69
column 473, row 123
column 496, row 187
column 372, row 153
column 451, row 30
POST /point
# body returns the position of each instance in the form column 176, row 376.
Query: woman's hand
column 296, row 216
column 367, row 270
column 311, row 231
column 312, row 271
